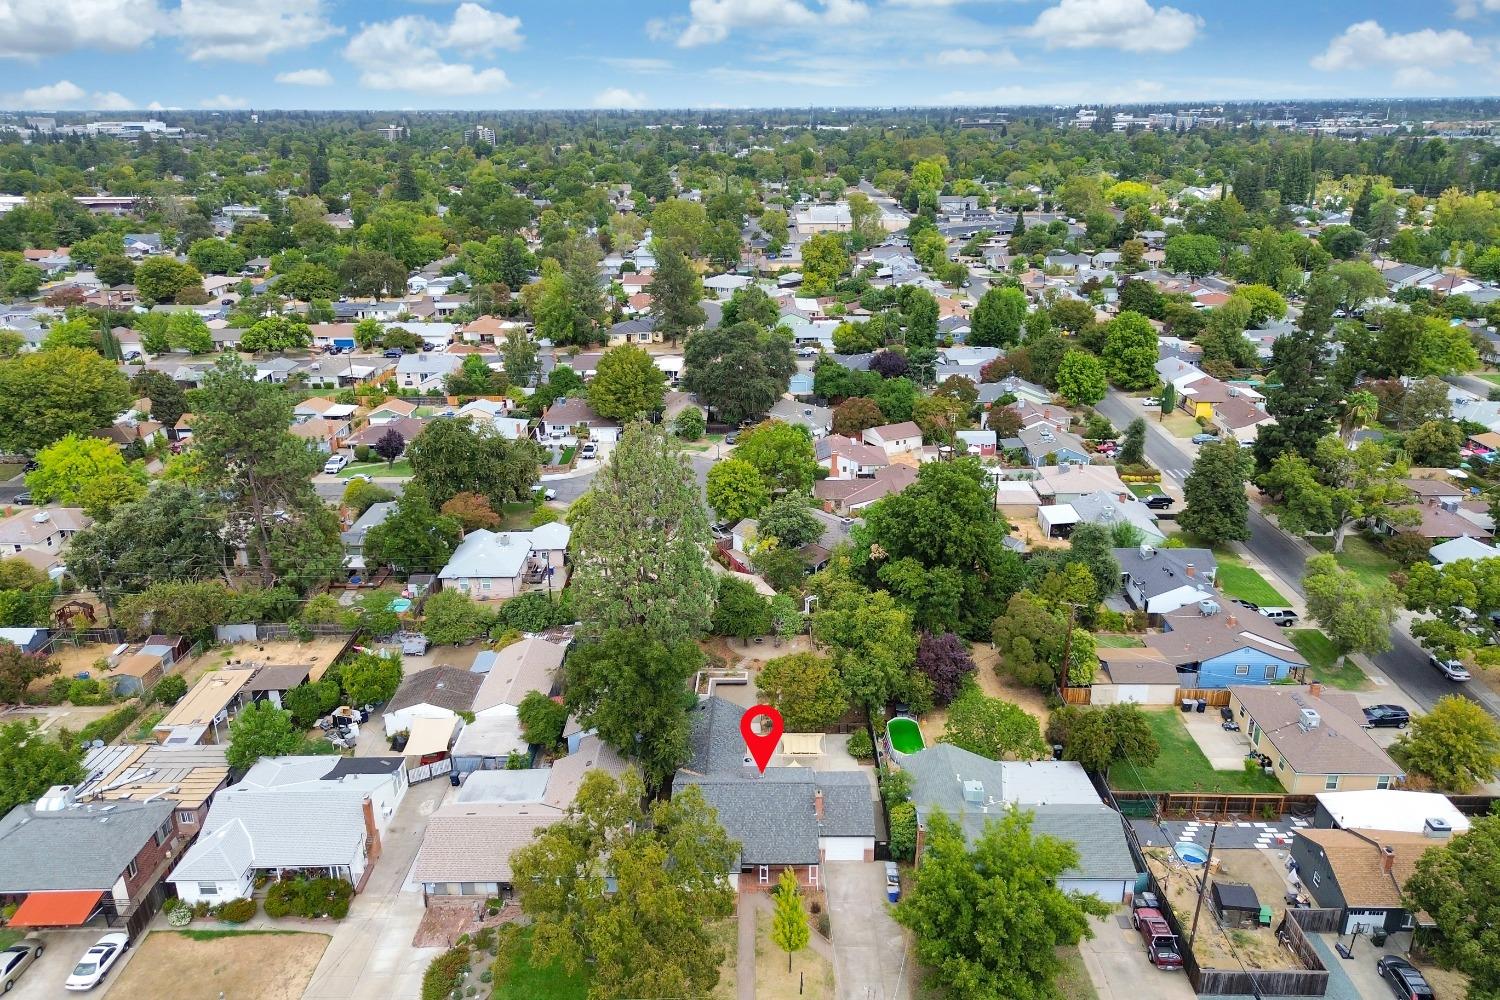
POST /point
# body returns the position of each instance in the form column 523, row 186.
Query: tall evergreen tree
column 1359, row 216
column 1304, row 403
column 675, row 292
column 1215, row 508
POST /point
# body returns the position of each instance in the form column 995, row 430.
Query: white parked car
column 335, row 464
column 589, row 450
column 97, row 961
column 1151, row 401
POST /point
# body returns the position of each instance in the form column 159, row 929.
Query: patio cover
column 56, row 909
column 429, row 736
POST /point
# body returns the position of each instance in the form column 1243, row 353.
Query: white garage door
column 1140, row 694
column 1363, row 920
column 846, row 848
column 1109, row 890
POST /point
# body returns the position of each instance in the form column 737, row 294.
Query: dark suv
column 1386, row 717
column 1404, row 979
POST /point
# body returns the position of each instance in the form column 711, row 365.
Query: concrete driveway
column 1116, row 962
column 370, row 954
column 44, row 980
column 1225, row 750
column 870, row 955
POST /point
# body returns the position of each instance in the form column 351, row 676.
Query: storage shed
column 1236, row 904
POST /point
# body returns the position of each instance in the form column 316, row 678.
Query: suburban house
column 426, row 371
column 514, row 672
column 494, row 565
column 1388, row 809
column 846, row 496
column 391, row 409
column 1361, row 872
column 817, row 419
column 1446, row 513
column 971, row 790
column 202, row 715
column 39, row 536
column 895, row 439
column 326, row 814
column 1135, row 676
column 434, row 693
column 273, row 681
column 981, row 443
column 68, row 863
column 1044, row 445
column 354, row 538
column 1215, row 648
column 1462, row 547
column 568, row 416
column 846, row 458
column 467, row 846
column 1315, row 737
column 370, row 434
column 785, row 818
column 1066, row 482
column 1160, row 581
column 187, row 776
column 1108, row 509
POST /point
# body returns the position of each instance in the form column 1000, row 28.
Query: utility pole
column 1203, row 885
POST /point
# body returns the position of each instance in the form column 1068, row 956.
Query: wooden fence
column 1216, row 697
column 1206, row 805
column 1319, row 921
column 1076, row 695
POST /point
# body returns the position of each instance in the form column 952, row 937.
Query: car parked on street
column 1451, row 669
column 1205, row 438
column 1158, row 501
column 1151, row 401
column 1386, row 717
column 97, row 961
column 17, row 959
column 1404, row 979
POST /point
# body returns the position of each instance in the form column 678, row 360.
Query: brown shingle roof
column 1357, row 861
column 1196, row 637
column 445, row 687
column 1338, row 744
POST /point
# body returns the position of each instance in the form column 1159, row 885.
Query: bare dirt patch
column 935, row 723
column 811, row 971
column 244, row 965
column 1219, row 947
column 318, row 653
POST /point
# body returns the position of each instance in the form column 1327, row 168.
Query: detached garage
column 1057, row 521
column 1135, row 676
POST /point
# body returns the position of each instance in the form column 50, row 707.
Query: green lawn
column 1181, row 767
column 1491, row 377
column 1317, row 649
column 517, row 979
column 1118, row 642
column 401, row 468
column 567, row 455
column 1179, row 424
column 1359, row 557
column 1145, row 489
column 9, row 936
column 516, row 516
column 9, row 471
column 1238, row 580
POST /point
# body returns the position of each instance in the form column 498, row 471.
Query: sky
column 116, row 55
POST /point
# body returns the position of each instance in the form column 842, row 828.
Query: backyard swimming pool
column 905, row 736
column 1190, row 852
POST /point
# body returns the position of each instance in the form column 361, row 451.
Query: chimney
column 1315, row 688
column 372, row 832
column 1190, row 569
column 818, row 804
column 1388, row 859
column 1231, row 622
column 921, row 842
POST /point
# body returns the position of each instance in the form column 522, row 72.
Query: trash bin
column 1202, row 704
column 1187, row 704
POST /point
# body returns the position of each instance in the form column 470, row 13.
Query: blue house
column 1216, row 646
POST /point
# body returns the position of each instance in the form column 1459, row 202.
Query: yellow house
column 1314, row 737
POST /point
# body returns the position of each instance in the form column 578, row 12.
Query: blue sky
column 131, row 54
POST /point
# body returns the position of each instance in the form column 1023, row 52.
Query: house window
column 1384, row 781
column 1331, row 782
column 1242, row 670
column 1317, row 879
column 186, row 818
column 208, row 888
column 812, row 875
column 485, row 584
column 163, row 832
column 131, row 871
column 1270, row 671
column 764, row 875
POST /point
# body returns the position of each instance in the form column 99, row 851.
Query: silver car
column 17, row 959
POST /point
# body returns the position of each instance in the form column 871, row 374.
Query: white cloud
column 306, row 77
column 475, row 29
column 1131, row 25
column 712, row 21
column 1367, row 44
column 246, row 32
column 1069, row 92
column 1420, row 78
column 34, row 29
column 619, row 97
column 226, row 102
column 65, row 94
column 976, row 57
column 638, row 65
column 403, row 54
column 1473, row 8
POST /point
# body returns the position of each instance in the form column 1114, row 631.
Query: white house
column 426, row 371
column 896, row 439
column 326, row 814
column 492, row 565
column 434, row 693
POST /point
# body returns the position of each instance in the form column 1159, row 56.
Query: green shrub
column 309, row 897
column 180, row 917
column 484, row 940
column 445, row 974
column 363, row 453
column 170, row 689
column 237, row 911
column 89, row 691
column 486, row 976
column 860, row 747
column 108, row 727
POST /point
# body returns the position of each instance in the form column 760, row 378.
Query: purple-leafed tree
column 889, row 364
column 390, row 446
column 945, row 660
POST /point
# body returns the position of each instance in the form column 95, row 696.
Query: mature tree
column 676, row 291
column 1130, row 351
column 1358, row 618
column 1223, row 335
column 641, row 542
column 937, row 546
column 889, row 364
column 32, row 761
column 1435, row 443
column 824, row 262
column 634, row 690
column 1458, row 886
column 362, row 494
column 989, row 920
column 471, row 511
column 1215, row 508
column 689, row 424
column 993, row 728
column 740, row 611
column 944, row 659
column 450, row 617
column 1133, row 449
column 85, row 472
column 455, row 456
column 736, row 490
column 414, row 537
column 998, row 317
column 276, row 333
column 782, row 452
column 161, row 279
column 262, row 473
column 1193, row 254
column 170, row 534
column 854, row 416
column 168, row 400
column 739, row 371
column 260, row 730
column 679, row 226
column 627, row 384
column 371, row 678
column 1304, row 399
column 791, row 521
column 628, row 893
column 1339, row 490
column 870, row 636
column 519, row 356
column 1081, row 379
column 542, row 719
column 1456, row 746
column 1099, row 737
column 18, row 670
column 1168, row 398
column 805, row 688
column 49, row 394
column 372, row 273
column 750, row 304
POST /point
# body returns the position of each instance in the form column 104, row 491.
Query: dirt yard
column 773, row 982
column 935, row 723
column 1223, row 948
column 244, row 965
column 319, row 653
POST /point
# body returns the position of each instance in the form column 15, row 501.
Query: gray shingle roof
column 77, row 848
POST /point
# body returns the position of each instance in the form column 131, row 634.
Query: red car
column 1162, row 949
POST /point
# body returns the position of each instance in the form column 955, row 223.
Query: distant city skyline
column 139, row 55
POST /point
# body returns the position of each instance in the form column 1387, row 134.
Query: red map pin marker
column 761, row 746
